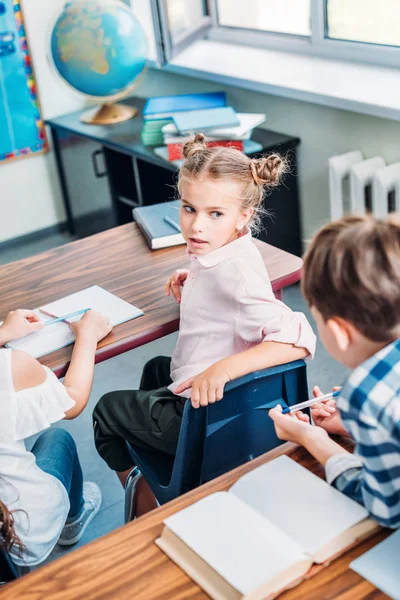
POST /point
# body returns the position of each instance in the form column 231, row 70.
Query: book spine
column 175, row 151
column 140, row 223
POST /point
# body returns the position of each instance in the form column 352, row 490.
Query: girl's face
column 211, row 214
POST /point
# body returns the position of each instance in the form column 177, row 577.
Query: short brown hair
column 352, row 270
column 255, row 175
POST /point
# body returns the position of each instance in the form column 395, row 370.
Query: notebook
column 380, row 566
column 161, row 107
column 247, row 122
column 203, row 120
column 156, row 231
column 265, row 534
column 59, row 335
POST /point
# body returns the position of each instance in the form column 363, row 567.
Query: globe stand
column 108, row 114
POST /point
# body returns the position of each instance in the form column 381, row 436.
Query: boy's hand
column 326, row 416
column 207, row 387
column 292, row 427
column 19, row 323
column 93, row 326
column 174, row 283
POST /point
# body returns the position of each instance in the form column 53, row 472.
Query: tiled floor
column 124, row 372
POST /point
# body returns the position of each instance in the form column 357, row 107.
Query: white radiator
column 358, row 186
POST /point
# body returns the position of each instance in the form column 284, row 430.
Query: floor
column 124, row 372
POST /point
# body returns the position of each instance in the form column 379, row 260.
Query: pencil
column 173, row 223
column 310, row 402
column 74, row 314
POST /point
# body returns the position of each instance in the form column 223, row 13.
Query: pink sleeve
column 262, row 318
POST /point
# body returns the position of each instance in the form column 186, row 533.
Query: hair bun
column 197, row 144
column 267, row 170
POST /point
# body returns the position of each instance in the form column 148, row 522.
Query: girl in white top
column 42, row 495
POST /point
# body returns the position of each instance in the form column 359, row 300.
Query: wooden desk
column 127, row 564
column 120, row 261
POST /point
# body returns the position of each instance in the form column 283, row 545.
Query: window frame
column 318, row 44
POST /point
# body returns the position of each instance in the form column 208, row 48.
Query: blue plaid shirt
column 369, row 404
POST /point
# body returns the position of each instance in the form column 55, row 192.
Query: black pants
column 149, row 417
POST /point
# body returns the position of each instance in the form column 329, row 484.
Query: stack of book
column 172, row 120
column 160, row 111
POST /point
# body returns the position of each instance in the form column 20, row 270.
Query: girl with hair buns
column 230, row 322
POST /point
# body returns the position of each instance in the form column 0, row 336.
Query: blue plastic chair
column 219, row 437
column 8, row 571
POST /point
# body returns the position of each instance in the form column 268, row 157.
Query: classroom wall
column 30, row 189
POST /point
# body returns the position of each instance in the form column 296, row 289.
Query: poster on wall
column 22, row 131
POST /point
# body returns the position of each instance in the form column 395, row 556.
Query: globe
column 99, row 48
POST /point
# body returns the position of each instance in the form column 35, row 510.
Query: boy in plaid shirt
column 352, row 284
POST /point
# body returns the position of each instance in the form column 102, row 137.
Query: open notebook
column 56, row 336
column 265, row 533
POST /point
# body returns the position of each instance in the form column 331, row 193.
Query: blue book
column 164, row 106
column 205, row 120
column 159, row 224
column 380, row 566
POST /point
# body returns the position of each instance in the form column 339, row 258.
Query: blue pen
column 310, row 402
column 74, row 314
column 173, row 223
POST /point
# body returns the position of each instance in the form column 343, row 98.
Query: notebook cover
column 150, row 219
column 183, row 102
column 247, row 122
column 204, row 120
column 380, row 565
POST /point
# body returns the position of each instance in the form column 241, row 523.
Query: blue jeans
column 56, row 454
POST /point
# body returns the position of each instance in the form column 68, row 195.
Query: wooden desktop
column 120, row 261
column 127, row 564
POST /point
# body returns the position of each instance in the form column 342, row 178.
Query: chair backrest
column 224, row 435
column 8, row 571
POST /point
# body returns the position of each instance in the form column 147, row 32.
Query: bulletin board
column 22, row 131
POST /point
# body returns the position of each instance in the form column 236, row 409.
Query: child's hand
column 174, row 283
column 326, row 416
column 19, row 323
column 291, row 427
column 207, row 387
column 93, row 326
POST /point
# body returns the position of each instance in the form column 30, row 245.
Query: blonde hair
column 255, row 175
column 352, row 270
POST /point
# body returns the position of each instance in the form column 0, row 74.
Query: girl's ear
column 342, row 331
column 245, row 218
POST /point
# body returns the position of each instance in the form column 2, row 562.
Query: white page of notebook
column 48, row 339
column 235, row 540
column 96, row 298
column 307, row 508
column 56, row 336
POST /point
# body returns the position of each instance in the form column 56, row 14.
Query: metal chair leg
column 130, row 492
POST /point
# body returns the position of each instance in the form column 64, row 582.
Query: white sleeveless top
column 23, row 485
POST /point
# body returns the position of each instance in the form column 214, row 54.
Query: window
column 284, row 16
column 365, row 21
column 184, row 15
column 354, row 30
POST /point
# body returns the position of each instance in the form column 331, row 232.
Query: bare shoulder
column 27, row 372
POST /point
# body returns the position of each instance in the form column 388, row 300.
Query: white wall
column 29, row 186
column 30, row 190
